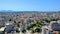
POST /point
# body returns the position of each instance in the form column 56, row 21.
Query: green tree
column 54, row 19
column 47, row 20
column 35, row 27
column 14, row 21
column 18, row 25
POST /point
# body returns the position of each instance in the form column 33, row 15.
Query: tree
column 14, row 21
column 47, row 20
column 54, row 19
column 18, row 25
column 1, row 26
column 10, row 19
column 35, row 27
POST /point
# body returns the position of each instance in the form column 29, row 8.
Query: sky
column 30, row 5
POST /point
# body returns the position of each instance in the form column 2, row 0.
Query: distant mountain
column 29, row 11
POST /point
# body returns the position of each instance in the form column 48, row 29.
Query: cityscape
column 29, row 22
column 29, row 16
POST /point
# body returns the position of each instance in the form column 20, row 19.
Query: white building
column 45, row 30
column 2, row 30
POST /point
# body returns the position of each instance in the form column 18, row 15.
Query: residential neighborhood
column 29, row 22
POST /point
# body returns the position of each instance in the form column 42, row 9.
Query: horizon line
column 24, row 11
